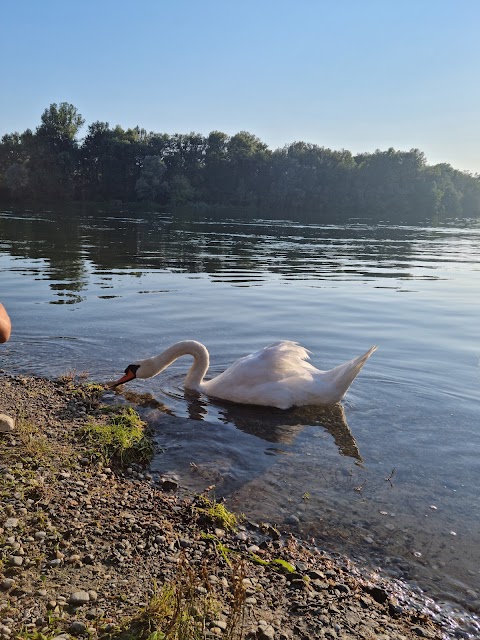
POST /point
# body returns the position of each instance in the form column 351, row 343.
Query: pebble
column 78, row 626
column 7, row 424
column 241, row 536
column 56, row 562
column 6, row 584
column 79, row 598
column 266, row 633
column 221, row 624
column 5, row 631
column 169, row 484
column 11, row 523
column 74, row 558
column 185, row 543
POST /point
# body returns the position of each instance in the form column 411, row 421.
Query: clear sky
column 353, row 74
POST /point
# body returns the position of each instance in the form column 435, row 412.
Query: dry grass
column 184, row 609
column 34, row 444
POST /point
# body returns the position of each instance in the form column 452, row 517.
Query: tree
column 217, row 171
column 53, row 158
column 151, row 185
column 16, row 179
column 180, row 190
column 248, row 157
column 60, row 126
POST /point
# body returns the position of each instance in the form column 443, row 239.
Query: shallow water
column 393, row 477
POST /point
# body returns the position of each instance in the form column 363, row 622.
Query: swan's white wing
column 264, row 377
column 276, row 362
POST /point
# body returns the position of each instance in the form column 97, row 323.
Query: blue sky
column 354, row 74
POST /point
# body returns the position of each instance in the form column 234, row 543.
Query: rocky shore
column 92, row 546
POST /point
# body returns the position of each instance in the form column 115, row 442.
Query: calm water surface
column 393, row 477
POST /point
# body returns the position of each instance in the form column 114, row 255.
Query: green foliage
column 215, row 512
column 283, row 564
column 277, row 563
column 300, row 179
column 121, row 438
column 151, row 184
column 60, row 125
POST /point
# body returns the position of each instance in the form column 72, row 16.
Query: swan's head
column 131, row 372
column 141, row 369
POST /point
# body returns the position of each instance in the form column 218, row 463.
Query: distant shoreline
column 113, row 164
column 219, row 212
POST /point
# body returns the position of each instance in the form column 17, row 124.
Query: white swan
column 276, row 376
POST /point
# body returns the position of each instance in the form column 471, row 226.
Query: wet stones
column 168, row 484
column 378, row 594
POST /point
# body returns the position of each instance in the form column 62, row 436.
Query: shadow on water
column 266, row 423
column 278, row 426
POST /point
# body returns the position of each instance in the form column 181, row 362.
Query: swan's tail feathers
column 345, row 374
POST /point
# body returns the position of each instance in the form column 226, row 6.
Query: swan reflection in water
column 269, row 424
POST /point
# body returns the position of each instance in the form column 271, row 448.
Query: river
column 392, row 477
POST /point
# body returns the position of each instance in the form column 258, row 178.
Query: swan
column 275, row 376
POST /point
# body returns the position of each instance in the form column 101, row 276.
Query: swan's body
column 276, row 376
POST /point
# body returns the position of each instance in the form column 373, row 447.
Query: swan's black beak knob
column 130, row 374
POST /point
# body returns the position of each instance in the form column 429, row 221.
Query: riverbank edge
column 87, row 545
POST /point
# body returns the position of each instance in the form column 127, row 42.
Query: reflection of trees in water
column 237, row 249
column 56, row 239
column 67, row 239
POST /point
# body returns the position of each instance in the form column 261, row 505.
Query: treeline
column 114, row 164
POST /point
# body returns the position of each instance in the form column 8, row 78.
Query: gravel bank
column 88, row 547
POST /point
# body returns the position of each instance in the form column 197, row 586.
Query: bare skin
column 5, row 324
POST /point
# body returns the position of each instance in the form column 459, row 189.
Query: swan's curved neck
column 197, row 371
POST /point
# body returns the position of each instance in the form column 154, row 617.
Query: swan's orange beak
column 129, row 375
